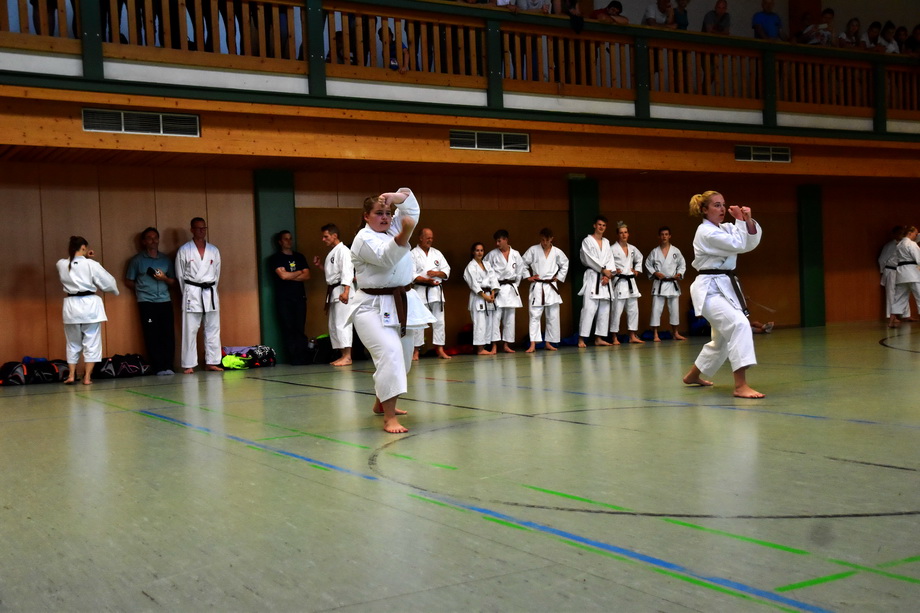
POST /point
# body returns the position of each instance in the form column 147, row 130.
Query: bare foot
column 415, row 356
column 532, row 348
column 550, row 347
column 379, row 411
column 894, row 324
column 442, row 354
column 214, row 368
column 483, row 352
column 635, row 339
column 189, row 371
column 656, row 339
column 616, row 341
column 493, row 350
column 678, row 337
column 394, row 427
column 69, row 381
column 581, row 343
column 87, row 381
column 696, row 380
column 746, row 391
column 601, row 342
column 342, row 362
column 508, row 349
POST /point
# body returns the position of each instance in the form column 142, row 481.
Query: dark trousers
column 292, row 315
column 159, row 334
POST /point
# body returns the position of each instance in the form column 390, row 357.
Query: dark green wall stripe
column 811, row 254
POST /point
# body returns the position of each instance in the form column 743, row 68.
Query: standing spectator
column 198, row 271
column 849, row 38
column 484, row 287
column 821, row 32
column 665, row 266
column 660, row 14
column 83, row 311
column 627, row 262
column 431, row 270
column 716, row 294
column 612, row 13
column 385, row 309
column 767, row 24
column 718, row 20
column 547, row 267
column 291, row 270
column 681, row 18
column 340, row 278
column 151, row 275
column 508, row 265
column 596, row 257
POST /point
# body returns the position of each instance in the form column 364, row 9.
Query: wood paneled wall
column 44, row 204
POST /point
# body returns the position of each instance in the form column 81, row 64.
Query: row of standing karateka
column 899, row 264
column 494, row 279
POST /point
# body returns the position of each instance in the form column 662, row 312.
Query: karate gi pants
column 552, row 323
column 437, row 328
column 159, row 334
column 86, row 338
column 900, row 304
column 503, row 324
column 191, row 322
column 340, row 331
column 590, row 308
column 631, row 305
column 391, row 353
column 658, row 306
column 483, row 326
column 731, row 337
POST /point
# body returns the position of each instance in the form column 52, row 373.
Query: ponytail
column 75, row 243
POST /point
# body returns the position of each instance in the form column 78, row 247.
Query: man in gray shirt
column 151, row 275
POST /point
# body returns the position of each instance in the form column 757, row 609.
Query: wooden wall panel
column 22, row 286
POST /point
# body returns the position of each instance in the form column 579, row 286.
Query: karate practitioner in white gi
column 198, row 271
column 83, row 311
column 888, row 269
column 547, row 266
column 716, row 294
column 508, row 265
column 666, row 267
column 431, row 270
column 340, row 279
column 595, row 255
column 907, row 276
column 484, row 287
column 386, row 310
column 627, row 262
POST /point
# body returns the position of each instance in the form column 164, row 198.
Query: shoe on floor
column 164, row 373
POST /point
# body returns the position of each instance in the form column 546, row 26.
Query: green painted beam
column 584, row 206
column 811, row 254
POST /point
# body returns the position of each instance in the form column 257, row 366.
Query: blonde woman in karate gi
column 716, row 293
column 83, row 311
column 386, row 309
column 483, row 284
column 627, row 264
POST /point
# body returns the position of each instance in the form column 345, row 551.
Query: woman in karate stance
column 385, row 306
column 715, row 292
column 83, row 308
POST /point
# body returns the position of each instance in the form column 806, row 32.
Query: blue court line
column 259, row 445
column 766, row 595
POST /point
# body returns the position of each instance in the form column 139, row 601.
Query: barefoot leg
column 532, row 348
column 695, row 377
column 441, row 353
column 345, row 359
column 379, row 409
column 742, row 389
column 508, row 349
column 550, row 347
column 581, row 343
column 415, row 355
column 390, row 422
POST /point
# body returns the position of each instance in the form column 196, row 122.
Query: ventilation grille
column 757, row 153
column 491, row 141
column 132, row 122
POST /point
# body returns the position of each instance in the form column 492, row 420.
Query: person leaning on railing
column 849, row 38
column 718, row 20
column 612, row 13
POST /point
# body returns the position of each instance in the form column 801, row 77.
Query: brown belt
column 329, row 290
column 402, row 301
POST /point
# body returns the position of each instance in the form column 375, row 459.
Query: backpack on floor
column 54, row 371
column 13, row 373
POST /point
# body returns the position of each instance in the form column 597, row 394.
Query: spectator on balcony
column 849, row 38
column 887, row 43
column 51, row 7
column 531, row 6
column 913, row 43
column 871, row 39
column 718, row 20
column 767, row 24
column 681, row 18
column 612, row 13
column 901, row 36
column 821, row 32
column 532, row 50
column 660, row 14
column 398, row 61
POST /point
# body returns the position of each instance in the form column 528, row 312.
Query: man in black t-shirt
column 291, row 270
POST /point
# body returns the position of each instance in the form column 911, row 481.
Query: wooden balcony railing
column 476, row 48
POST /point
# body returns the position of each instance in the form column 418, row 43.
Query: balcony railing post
column 495, row 96
column 769, row 89
column 316, row 53
column 91, row 38
column 880, row 91
column 643, row 79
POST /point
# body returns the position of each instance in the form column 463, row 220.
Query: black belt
column 428, row 285
column 910, row 263
column 402, row 302
column 511, row 283
column 891, row 267
column 736, row 285
column 630, row 280
column 93, row 293
column 550, row 282
column 209, row 285
column 666, row 280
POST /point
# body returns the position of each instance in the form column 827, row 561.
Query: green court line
column 572, row 497
column 409, row 457
column 256, row 448
column 275, row 438
column 319, row 467
column 401, row 455
column 437, row 502
column 876, row 571
column 737, row 536
column 448, row 467
column 899, row 562
column 700, row 583
column 507, row 524
column 818, row 581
